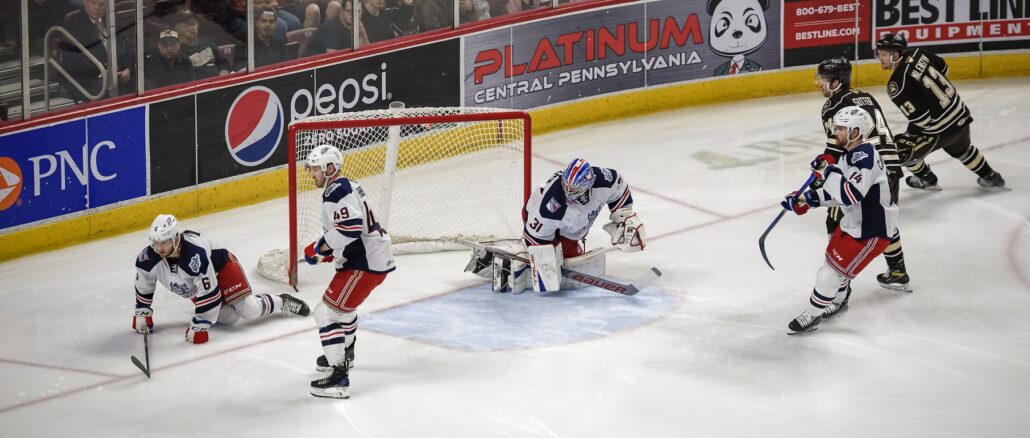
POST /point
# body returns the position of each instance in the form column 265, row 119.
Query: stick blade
column 761, row 247
column 136, row 361
column 644, row 281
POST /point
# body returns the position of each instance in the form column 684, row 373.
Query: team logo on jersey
column 10, row 182
column 195, row 263
column 553, row 205
column 182, row 289
column 858, row 156
column 254, row 126
column 892, row 88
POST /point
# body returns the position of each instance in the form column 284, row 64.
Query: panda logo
column 738, row 28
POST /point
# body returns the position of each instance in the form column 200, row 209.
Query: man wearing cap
column 268, row 48
column 167, row 65
column 207, row 61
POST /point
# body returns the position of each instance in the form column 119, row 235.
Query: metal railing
column 50, row 62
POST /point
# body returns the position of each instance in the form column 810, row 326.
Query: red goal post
column 431, row 176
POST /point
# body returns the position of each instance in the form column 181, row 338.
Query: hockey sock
column 258, row 305
column 819, row 302
column 842, row 293
column 894, row 255
column 975, row 161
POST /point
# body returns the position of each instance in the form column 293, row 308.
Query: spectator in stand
column 473, row 10
column 433, row 14
column 285, row 17
column 268, row 48
column 207, row 61
column 332, row 10
column 337, row 34
column 167, row 66
column 89, row 27
column 311, row 10
column 383, row 23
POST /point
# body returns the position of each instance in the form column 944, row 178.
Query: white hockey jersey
column 357, row 240
column 193, row 275
column 862, row 191
column 549, row 214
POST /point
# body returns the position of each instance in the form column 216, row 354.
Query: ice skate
column 294, row 305
column 322, row 364
column 994, row 181
column 334, row 385
column 837, row 308
column 894, row 280
column 805, row 322
column 930, row 183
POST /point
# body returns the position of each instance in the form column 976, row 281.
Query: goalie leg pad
column 545, row 266
column 592, row 263
column 510, row 276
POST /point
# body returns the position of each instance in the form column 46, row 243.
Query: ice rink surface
column 702, row 353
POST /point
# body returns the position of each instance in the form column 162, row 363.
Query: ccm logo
column 598, row 283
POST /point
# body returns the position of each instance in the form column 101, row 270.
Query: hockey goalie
column 558, row 217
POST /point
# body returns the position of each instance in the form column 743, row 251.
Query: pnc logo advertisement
column 254, row 126
column 10, row 182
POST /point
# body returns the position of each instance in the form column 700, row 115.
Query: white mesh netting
column 451, row 173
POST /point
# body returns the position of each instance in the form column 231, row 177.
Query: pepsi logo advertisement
column 254, row 126
column 58, row 170
column 242, row 129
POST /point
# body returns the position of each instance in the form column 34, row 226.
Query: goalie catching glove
column 626, row 230
column 314, row 253
column 143, row 321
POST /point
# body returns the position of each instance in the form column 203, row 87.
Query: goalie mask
column 577, row 180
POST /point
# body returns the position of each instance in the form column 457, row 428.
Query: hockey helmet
column 892, row 41
column 164, row 227
column 854, row 117
column 324, row 155
column 836, row 68
column 577, row 179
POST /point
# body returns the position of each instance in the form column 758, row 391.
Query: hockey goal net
column 430, row 175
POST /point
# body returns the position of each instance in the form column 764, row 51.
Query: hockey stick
column 761, row 240
column 146, row 357
column 608, row 284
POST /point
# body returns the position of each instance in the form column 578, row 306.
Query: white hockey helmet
column 854, row 117
column 165, row 227
column 323, row 155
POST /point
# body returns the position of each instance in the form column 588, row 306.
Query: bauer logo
column 10, row 182
column 254, row 126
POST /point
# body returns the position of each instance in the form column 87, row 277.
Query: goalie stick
column 607, row 284
column 146, row 357
column 761, row 240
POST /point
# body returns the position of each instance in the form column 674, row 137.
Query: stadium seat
column 301, row 36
